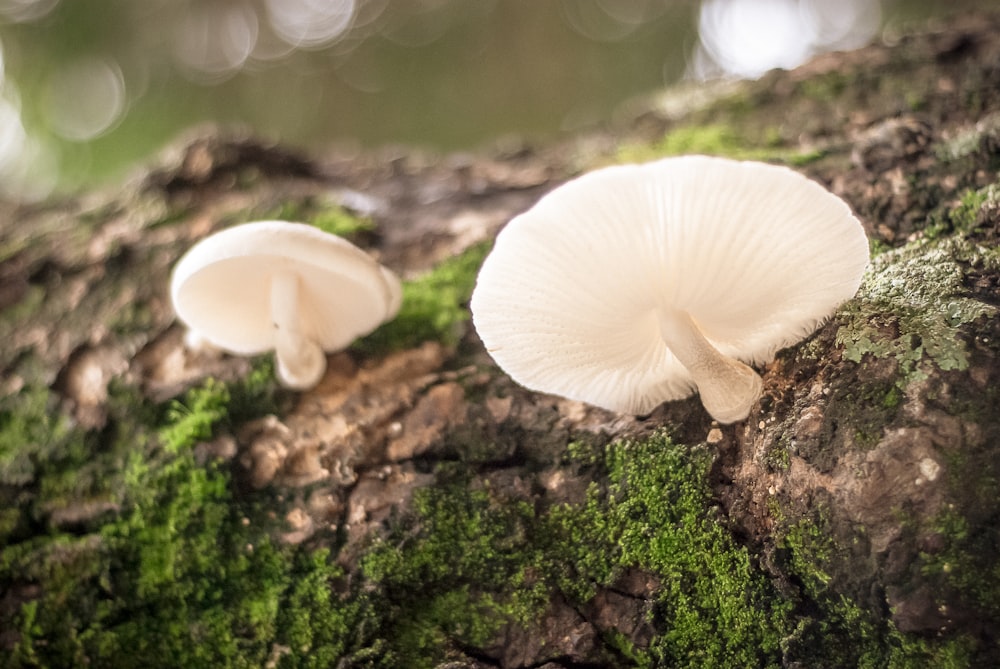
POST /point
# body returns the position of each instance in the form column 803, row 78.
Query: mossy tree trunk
column 419, row 509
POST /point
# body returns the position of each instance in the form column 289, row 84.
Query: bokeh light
column 746, row 38
column 420, row 23
column 89, row 87
column 593, row 21
column 310, row 23
column 212, row 41
column 28, row 169
column 12, row 135
column 610, row 20
column 845, row 24
column 26, row 10
column 85, row 98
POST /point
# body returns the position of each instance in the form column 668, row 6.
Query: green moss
column 29, row 303
column 798, row 158
column 46, row 464
column 910, row 304
column 714, row 607
column 132, row 319
column 631, row 655
column 867, row 405
column 455, row 581
column 916, row 101
column 966, row 215
column 29, row 429
column 339, row 221
column 911, row 651
column 892, row 398
column 584, row 453
column 191, row 421
column 435, row 305
column 481, row 560
column 778, row 456
column 811, row 548
column 325, row 215
column 965, row 563
column 718, row 140
column 826, row 87
column 877, row 247
column 837, row 631
column 175, row 577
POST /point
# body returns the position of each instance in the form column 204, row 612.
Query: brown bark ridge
column 867, row 473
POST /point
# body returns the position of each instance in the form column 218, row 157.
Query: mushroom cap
column 221, row 287
column 568, row 300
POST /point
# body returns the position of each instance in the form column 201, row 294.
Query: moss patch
column 435, row 305
column 324, row 214
column 175, row 576
column 183, row 572
column 715, row 608
column 472, row 559
column 718, row 140
column 967, row 215
column 458, row 579
column 338, row 221
column 498, row 558
column 964, row 563
column 834, row 630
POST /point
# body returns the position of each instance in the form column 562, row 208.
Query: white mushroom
column 638, row 284
column 283, row 286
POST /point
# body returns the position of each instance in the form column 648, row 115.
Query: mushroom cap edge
column 220, row 287
column 579, row 246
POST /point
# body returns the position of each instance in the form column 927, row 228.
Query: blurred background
column 89, row 87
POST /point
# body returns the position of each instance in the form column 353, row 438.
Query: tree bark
column 865, row 477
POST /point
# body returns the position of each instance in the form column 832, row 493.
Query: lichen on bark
column 912, row 302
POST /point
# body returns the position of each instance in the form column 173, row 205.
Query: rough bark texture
column 862, row 488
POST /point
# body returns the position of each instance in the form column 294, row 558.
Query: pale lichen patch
column 918, row 292
column 984, row 136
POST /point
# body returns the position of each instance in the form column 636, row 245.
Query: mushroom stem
column 301, row 361
column 728, row 388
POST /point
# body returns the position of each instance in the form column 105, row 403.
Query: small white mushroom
column 638, row 284
column 283, row 286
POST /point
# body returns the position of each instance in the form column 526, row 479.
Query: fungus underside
column 301, row 361
column 728, row 388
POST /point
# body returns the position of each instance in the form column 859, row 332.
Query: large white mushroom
column 283, row 286
column 638, row 284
